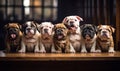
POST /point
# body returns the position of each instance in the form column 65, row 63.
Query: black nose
column 71, row 24
column 45, row 30
column 104, row 32
column 28, row 28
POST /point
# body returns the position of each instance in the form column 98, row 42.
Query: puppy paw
column 21, row 51
column 42, row 51
column 36, row 51
column 83, row 51
column 98, row 51
column 111, row 50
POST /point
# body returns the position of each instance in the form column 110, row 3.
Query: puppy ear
column 79, row 18
column 64, row 20
column 82, row 26
column 112, row 29
column 6, row 26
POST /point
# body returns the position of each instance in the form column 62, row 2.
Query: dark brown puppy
column 60, row 38
column 13, row 37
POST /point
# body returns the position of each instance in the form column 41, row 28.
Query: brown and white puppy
column 46, row 29
column 13, row 37
column 105, row 39
column 30, row 39
column 88, row 33
column 73, row 24
column 61, row 39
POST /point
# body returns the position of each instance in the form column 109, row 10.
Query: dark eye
column 41, row 27
column 50, row 27
column 75, row 20
column 99, row 30
column 67, row 20
column 108, row 30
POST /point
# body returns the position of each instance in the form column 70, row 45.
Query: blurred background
column 92, row 11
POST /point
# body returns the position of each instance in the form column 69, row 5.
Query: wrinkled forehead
column 30, row 23
column 13, row 25
column 71, row 18
column 105, row 27
column 46, row 24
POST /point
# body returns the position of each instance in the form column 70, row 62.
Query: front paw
column 111, row 50
column 21, row 51
column 98, row 51
column 36, row 50
column 42, row 51
column 83, row 51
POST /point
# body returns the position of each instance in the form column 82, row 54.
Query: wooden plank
column 60, row 57
column 117, row 22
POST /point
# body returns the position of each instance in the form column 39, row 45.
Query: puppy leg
column 23, row 48
column 72, row 50
column 42, row 48
column 111, row 50
column 53, row 49
column 36, row 48
column 83, row 50
column 93, row 47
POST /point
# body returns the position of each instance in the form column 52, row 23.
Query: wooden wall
column 118, row 24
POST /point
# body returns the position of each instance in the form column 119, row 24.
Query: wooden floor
column 59, row 62
column 58, row 57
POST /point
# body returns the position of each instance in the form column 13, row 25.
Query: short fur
column 30, row 39
column 105, row 41
column 73, row 24
column 46, row 29
column 61, row 39
column 13, row 37
column 88, row 33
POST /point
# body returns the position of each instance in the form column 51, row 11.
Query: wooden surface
column 58, row 57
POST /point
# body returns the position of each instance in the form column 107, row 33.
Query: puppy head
column 30, row 28
column 46, row 28
column 88, row 31
column 60, row 31
column 12, row 30
column 72, row 22
column 105, row 31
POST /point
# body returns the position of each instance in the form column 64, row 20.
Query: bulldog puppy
column 46, row 29
column 88, row 33
column 73, row 24
column 61, row 39
column 30, row 39
column 13, row 37
column 105, row 39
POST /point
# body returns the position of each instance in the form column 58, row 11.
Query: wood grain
column 59, row 57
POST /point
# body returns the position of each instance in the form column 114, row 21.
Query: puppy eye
column 50, row 27
column 75, row 20
column 41, row 27
column 100, row 30
column 67, row 20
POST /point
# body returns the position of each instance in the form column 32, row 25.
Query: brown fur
column 64, row 44
column 15, row 44
column 105, row 44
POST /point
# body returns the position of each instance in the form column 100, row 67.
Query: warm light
column 26, row 4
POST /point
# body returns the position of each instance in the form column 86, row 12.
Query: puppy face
column 72, row 22
column 105, row 32
column 29, row 28
column 46, row 28
column 13, row 30
column 88, row 31
column 60, row 31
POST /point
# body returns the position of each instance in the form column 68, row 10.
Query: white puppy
column 30, row 39
column 73, row 24
column 46, row 29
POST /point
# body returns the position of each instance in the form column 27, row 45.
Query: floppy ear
column 82, row 26
column 64, row 20
column 6, row 26
column 112, row 29
column 95, row 27
column 79, row 18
